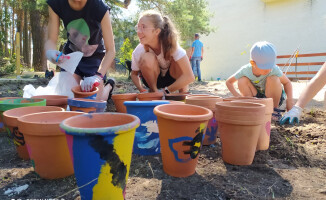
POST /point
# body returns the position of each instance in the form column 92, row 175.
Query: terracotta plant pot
column 100, row 145
column 86, row 95
column 181, row 131
column 2, row 128
column 237, row 98
column 176, row 96
column 118, row 100
column 239, row 125
column 207, row 102
column 264, row 138
column 46, row 144
column 147, row 141
column 10, row 119
column 54, row 100
column 10, row 103
column 86, row 105
column 150, row 96
column 197, row 95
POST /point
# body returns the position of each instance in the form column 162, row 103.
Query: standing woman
column 158, row 60
column 89, row 30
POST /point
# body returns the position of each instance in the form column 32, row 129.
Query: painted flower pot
column 237, row 98
column 150, row 96
column 2, row 128
column 264, row 137
column 118, row 100
column 10, row 118
column 54, row 100
column 86, row 105
column 181, row 131
column 207, row 102
column 239, row 125
column 147, row 141
column 100, row 145
column 78, row 93
column 10, row 103
column 46, row 144
column 176, row 96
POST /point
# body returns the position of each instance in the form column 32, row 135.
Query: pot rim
column 84, row 103
column 5, row 103
column 74, row 90
column 124, row 96
column 99, row 131
column 146, row 103
column 178, row 117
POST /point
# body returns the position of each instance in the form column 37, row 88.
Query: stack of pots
column 264, row 137
column 239, row 127
column 181, row 132
column 207, row 102
column 10, row 118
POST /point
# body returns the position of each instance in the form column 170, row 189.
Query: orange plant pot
column 207, row 102
column 11, row 120
column 54, row 100
column 46, row 144
column 239, row 126
column 119, row 99
column 237, row 98
column 176, row 96
column 87, row 95
column 181, row 131
column 264, row 137
column 150, row 96
column 87, row 105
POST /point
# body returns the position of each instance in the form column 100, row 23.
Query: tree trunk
column 38, row 36
column 26, row 49
column 13, row 33
column 6, row 23
column 1, row 29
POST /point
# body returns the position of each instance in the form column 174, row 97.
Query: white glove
column 56, row 57
column 292, row 116
column 89, row 82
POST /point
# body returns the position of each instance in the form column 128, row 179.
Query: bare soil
column 294, row 167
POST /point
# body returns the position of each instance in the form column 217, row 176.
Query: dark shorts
column 88, row 66
column 262, row 95
column 162, row 82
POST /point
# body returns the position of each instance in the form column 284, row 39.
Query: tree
column 125, row 51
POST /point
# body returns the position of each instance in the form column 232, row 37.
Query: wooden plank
column 300, row 78
column 303, row 72
column 303, row 55
column 300, row 64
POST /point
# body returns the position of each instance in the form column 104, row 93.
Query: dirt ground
column 294, row 167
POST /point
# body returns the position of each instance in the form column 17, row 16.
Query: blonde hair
column 168, row 36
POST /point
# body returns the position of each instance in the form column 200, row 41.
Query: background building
column 288, row 24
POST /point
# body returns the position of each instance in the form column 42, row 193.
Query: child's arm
column 288, row 90
column 229, row 83
column 136, row 80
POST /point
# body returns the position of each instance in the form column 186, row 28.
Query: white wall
column 240, row 23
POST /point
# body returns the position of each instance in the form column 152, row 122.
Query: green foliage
column 8, row 66
column 125, row 51
column 189, row 16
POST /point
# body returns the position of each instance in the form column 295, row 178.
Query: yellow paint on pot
column 104, row 189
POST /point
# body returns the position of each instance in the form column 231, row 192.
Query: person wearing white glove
column 89, row 31
column 56, row 57
column 313, row 87
column 89, row 83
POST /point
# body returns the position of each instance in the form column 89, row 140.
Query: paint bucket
column 182, row 129
column 86, row 105
column 147, row 141
column 100, row 146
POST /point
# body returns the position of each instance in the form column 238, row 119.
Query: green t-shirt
column 258, row 81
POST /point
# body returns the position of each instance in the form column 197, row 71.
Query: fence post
column 17, row 54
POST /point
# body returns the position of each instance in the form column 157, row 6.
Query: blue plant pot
column 86, row 105
column 147, row 140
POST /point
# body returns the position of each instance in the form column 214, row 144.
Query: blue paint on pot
column 147, row 140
